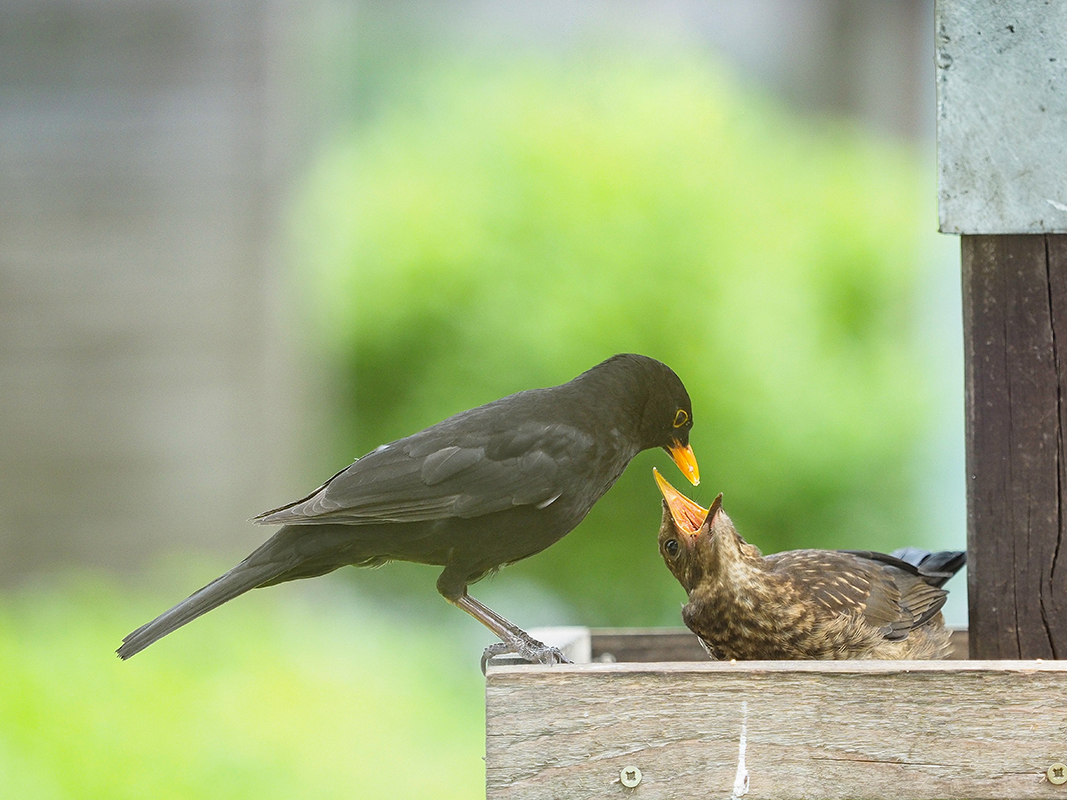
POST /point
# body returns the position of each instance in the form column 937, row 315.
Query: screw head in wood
column 1057, row 774
column 631, row 776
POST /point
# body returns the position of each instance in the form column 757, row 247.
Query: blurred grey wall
column 150, row 392
column 145, row 381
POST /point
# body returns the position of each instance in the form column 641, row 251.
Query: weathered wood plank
column 646, row 644
column 1015, row 318
column 958, row 729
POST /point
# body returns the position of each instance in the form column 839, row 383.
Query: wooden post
column 1002, row 184
column 1015, row 345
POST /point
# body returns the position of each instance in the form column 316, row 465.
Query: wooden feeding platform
column 658, row 719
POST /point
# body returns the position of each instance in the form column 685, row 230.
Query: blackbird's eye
column 680, row 418
column 671, row 546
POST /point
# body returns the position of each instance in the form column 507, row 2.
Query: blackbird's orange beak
column 686, row 460
column 687, row 515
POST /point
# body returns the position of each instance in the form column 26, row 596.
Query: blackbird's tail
column 936, row 568
column 287, row 555
column 236, row 582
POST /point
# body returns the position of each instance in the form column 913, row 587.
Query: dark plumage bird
column 816, row 604
column 482, row 489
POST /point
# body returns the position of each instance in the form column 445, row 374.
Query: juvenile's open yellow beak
column 686, row 460
column 688, row 516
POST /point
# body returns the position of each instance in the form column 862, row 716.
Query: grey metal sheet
column 1002, row 116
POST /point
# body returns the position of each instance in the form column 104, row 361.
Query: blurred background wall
column 157, row 387
column 145, row 381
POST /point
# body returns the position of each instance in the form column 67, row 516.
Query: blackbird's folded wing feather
column 890, row 594
column 437, row 473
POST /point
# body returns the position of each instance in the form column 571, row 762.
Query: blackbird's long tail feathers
column 237, row 581
column 293, row 552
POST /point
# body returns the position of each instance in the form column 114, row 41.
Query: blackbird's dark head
column 662, row 408
column 696, row 541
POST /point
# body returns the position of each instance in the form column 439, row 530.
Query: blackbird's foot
column 513, row 639
column 526, row 648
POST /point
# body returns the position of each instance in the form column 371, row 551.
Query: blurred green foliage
column 305, row 692
column 504, row 226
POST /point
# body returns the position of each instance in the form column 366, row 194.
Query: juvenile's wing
column 442, row 472
column 888, row 593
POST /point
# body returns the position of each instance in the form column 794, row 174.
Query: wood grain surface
column 875, row 729
column 1015, row 324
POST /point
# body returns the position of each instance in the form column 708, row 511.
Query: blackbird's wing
column 448, row 470
column 888, row 593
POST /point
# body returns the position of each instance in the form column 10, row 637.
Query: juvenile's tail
column 936, row 568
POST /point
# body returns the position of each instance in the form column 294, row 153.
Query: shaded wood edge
column 947, row 667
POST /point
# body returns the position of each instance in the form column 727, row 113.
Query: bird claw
column 528, row 649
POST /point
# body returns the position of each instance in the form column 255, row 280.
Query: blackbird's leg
column 512, row 638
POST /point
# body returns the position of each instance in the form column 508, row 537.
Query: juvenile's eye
column 671, row 546
column 680, row 418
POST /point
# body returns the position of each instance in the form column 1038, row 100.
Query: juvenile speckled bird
column 482, row 489
column 801, row 604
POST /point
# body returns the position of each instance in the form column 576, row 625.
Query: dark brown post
column 1015, row 350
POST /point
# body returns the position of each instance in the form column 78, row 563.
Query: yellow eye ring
column 680, row 418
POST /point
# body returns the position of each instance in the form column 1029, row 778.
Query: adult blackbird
column 817, row 604
column 482, row 489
